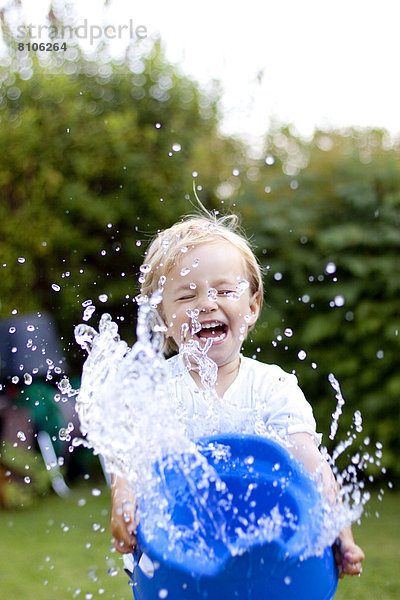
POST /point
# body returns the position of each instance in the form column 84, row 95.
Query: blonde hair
column 165, row 250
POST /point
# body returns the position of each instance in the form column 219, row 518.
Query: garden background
column 96, row 155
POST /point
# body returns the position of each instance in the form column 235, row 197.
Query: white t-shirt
column 262, row 400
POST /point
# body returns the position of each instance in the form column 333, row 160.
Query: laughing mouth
column 216, row 330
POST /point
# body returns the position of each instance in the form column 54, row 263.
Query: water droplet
column 145, row 268
column 195, row 174
column 235, row 172
column 21, row 260
column 64, row 385
column 12, row 330
column 288, row 332
column 339, row 300
column 357, row 418
column 163, row 593
column 192, row 286
column 96, row 492
column 141, row 299
column 88, row 312
column 278, row 276
column 157, row 125
column 287, row 580
column 212, row 294
column 330, row 268
column 55, row 287
column 302, row 354
column 176, row 147
column 21, row 436
column 184, row 271
column 27, row 379
column 103, row 298
column 63, row 435
column 269, row 160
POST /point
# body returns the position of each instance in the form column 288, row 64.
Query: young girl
column 206, row 268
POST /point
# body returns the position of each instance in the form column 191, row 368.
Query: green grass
column 380, row 540
column 61, row 546
column 58, row 547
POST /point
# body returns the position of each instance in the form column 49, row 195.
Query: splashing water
column 196, row 357
column 125, row 413
column 352, row 496
column 193, row 316
column 340, row 403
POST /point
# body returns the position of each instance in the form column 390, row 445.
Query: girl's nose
column 207, row 302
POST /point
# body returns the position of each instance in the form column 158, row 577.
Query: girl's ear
column 254, row 304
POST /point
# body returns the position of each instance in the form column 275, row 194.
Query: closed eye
column 225, row 292
column 188, row 297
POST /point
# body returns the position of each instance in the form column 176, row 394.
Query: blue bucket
column 260, row 475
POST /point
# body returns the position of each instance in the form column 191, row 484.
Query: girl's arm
column 347, row 554
column 123, row 521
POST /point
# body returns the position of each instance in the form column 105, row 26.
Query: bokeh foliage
column 95, row 157
column 97, row 154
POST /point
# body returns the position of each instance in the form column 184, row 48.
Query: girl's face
column 206, row 278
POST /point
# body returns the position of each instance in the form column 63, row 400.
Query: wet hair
column 165, row 251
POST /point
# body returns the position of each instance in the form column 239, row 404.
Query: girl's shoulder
column 251, row 365
column 268, row 379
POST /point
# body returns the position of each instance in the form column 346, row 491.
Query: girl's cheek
column 172, row 322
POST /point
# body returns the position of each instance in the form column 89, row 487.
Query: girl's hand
column 348, row 555
column 123, row 522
